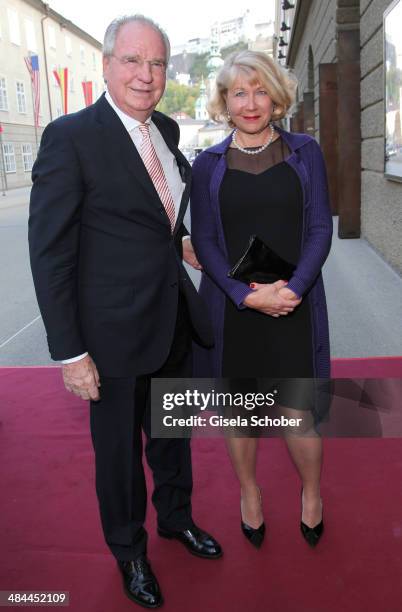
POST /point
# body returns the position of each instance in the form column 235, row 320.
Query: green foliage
column 199, row 67
column 178, row 98
column 240, row 46
column 394, row 83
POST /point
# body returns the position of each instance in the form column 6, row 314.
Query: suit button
column 173, row 284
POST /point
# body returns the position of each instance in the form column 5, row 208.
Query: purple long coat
column 209, row 243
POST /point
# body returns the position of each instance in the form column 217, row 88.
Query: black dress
column 261, row 194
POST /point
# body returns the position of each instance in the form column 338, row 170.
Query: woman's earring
column 228, row 116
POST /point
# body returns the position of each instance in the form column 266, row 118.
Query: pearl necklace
column 255, row 151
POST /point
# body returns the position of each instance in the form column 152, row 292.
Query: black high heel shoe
column 254, row 535
column 312, row 535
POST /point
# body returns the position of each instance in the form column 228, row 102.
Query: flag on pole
column 32, row 63
column 61, row 76
column 87, row 88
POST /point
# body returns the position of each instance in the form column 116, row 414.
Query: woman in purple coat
column 263, row 180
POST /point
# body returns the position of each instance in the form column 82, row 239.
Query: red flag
column 87, row 88
column 32, row 63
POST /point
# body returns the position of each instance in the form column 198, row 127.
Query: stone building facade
column 30, row 27
column 335, row 48
column 381, row 211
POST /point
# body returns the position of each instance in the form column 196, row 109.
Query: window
column 21, row 103
column 9, row 157
column 94, row 60
column 69, row 49
column 52, row 37
column 82, row 54
column 14, row 26
column 27, row 158
column 3, row 94
column 30, row 36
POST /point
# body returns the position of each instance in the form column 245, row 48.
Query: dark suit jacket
column 104, row 262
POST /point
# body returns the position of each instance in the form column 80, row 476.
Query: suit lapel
column 124, row 152
column 183, row 165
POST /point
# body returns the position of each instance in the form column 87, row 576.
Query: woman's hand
column 289, row 294
column 272, row 299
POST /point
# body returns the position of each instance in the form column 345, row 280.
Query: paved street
column 364, row 296
column 22, row 335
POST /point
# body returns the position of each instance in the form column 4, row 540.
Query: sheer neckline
column 231, row 146
column 277, row 152
column 258, row 173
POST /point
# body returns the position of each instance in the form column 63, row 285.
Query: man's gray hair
column 113, row 28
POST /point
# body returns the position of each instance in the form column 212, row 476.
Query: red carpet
column 51, row 537
column 367, row 367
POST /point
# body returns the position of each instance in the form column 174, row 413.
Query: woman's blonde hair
column 280, row 84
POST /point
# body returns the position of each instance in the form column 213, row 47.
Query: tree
column 179, row 98
column 199, row 67
column 240, row 46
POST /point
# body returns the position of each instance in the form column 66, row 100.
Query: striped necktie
column 156, row 173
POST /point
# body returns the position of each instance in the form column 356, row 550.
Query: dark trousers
column 117, row 422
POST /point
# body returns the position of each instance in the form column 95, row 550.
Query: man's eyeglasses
column 133, row 62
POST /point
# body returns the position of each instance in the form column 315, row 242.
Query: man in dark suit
column 109, row 195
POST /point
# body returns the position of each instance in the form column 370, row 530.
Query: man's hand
column 189, row 255
column 82, row 378
column 272, row 299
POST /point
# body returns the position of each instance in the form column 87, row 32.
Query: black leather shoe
column 140, row 584
column 255, row 535
column 197, row 541
column 312, row 535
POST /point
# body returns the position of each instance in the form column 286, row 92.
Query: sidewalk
column 364, row 297
column 15, row 197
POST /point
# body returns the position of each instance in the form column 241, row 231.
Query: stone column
column 349, row 135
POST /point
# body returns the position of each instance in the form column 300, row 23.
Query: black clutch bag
column 259, row 263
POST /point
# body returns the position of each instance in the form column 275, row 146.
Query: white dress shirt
column 166, row 157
